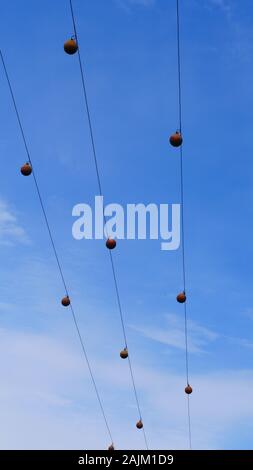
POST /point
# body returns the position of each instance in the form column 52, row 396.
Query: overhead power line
column 182, row 214
column 88, row 113
column 55, row 252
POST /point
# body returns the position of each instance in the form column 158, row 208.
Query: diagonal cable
column 87, row 110
column 182, row 214
column 55, row 250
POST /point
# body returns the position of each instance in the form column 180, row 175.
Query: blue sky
column 129, row 49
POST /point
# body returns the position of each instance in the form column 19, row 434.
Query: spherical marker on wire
column 139, row 424
column 66, row 301
column 188, row 390
column 71, row 46
column 111, row 448
column 26, row 169
column 181, row 298
column 111, row 244
column 124, row 353
column 176, row 139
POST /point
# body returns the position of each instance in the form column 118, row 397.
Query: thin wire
column 118, row 299
column 189, row 422
column 35, row 180
column 129, row 360
column 101, row 194
column 91, row 373
column 54, row 248
column 179, row 68
column 182, row 216
column 182, row 213
column 186, row 344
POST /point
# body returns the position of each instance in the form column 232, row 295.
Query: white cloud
column 47, row 400
column 10, row 230
column 199, row 337
column 173, row 334
column 242, row 342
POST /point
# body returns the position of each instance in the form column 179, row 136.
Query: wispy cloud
column 242, row 342
column 199, row 339
column 10, row 230
column 47, row 399
column 173, row 334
